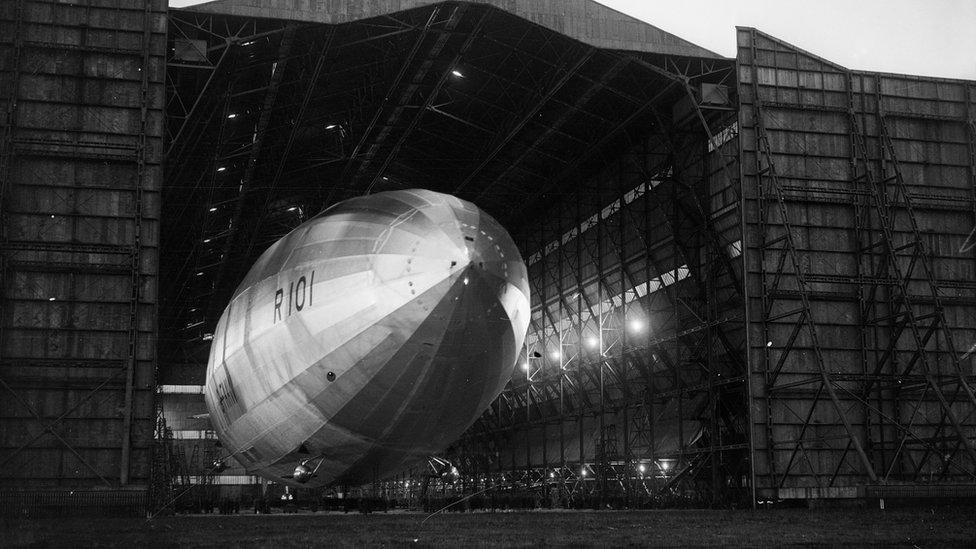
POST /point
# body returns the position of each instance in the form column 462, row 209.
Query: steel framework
column 272, row 120
column 633, row 379
column 859, row 193
column 750, row 280
column 855, row 196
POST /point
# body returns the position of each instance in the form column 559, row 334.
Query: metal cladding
column 368, row 337
column 583, row 20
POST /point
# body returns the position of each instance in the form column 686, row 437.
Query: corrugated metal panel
column 859, row 196
column 584, row 20
column 81, row 153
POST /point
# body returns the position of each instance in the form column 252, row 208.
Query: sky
column 921, row 37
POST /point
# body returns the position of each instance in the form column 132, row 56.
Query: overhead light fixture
column 51, row 298
column 556, row 355
column 636, row 325
column 457, row 73
column 200, row 273
column 641, row 468
column 526, row 366
column 221, row 169
column 232, row 115
column 213, row 209
column 592, row 342
column 332, row 126
column 293, row 208
column 206, row 240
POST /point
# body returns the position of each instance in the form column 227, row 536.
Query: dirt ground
column 917, row 527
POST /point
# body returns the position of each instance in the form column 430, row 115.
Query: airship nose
column 489, row 251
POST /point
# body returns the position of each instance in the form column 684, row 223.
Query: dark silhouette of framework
column 636, row 335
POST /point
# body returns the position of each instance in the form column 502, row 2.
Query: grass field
column 916, row 527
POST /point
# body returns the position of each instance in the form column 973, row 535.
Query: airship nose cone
column 491, row 253
column 374, row 334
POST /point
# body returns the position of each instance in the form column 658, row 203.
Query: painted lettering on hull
column 294, row 297
column 226, row 395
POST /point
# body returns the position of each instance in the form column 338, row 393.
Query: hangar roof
column 584, row 20
column 273, row 115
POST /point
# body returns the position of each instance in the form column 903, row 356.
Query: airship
column 367, row 339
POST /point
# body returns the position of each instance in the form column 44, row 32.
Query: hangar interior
column 751, row 278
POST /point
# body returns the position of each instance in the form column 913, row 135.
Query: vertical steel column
column 136, row 252
column 715, row 437
column 579, row 327
column 744, row 256
column 863, row 224
column 564, row 312
column 622, row 357
column 7, row 153
column 678, row 358
column 651, row 390
column 601, row 452
column 970, row 114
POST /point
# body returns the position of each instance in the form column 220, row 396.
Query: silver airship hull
column 369, row 337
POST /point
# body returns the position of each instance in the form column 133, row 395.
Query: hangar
column 751, row 277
